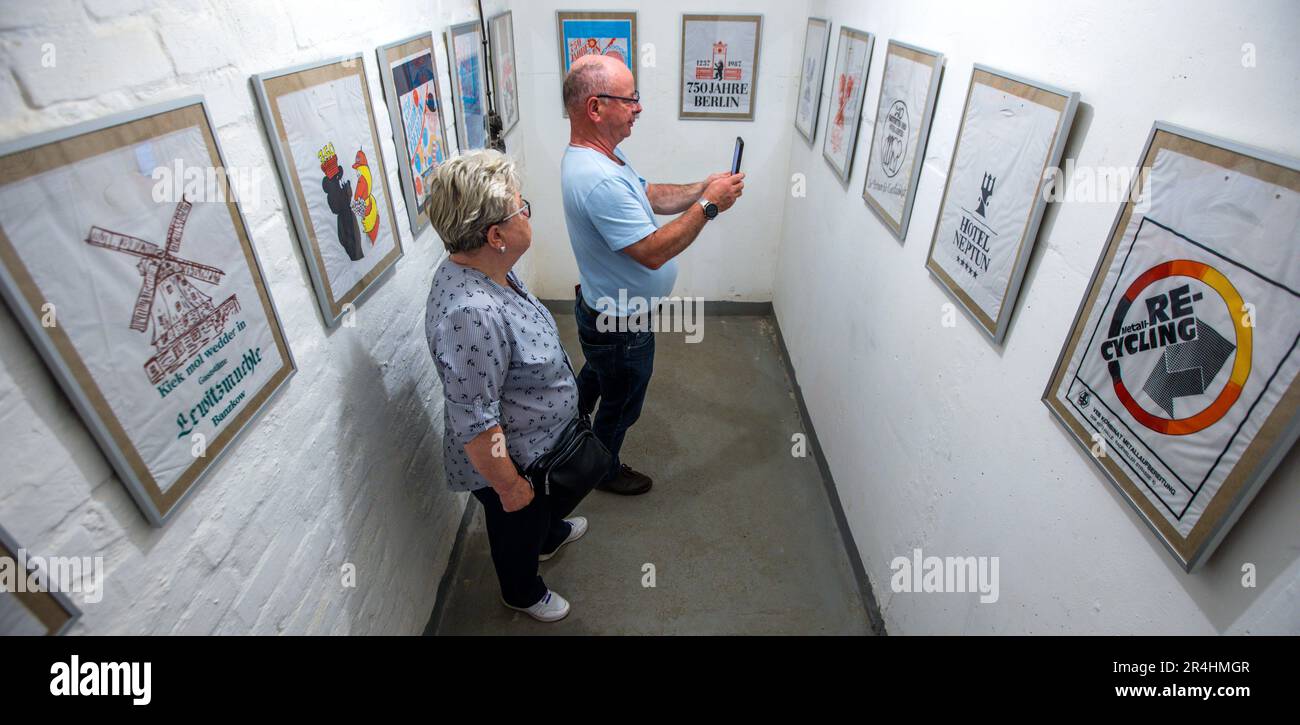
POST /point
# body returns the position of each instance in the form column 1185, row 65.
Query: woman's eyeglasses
column 526, row 210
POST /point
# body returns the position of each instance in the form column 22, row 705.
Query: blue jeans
column 617, row 372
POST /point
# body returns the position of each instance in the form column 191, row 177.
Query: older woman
column 509, row 387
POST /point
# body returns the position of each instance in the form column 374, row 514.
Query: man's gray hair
column 470, row 193
column 584, row 81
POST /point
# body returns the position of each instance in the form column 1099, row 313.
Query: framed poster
column 505, row 83
column 409, row 76
column 581, row 33
column 322, row 133
column 1180, row 371
column 719, row 66
column 124, row 256
column 468, row 84
column 26, row 610
column 602, row 33
column 848, row 86
column 1012, row 133
column 909, row 87
column 816, row 43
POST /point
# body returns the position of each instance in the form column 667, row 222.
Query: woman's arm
column 487, row 451
column 472, row 351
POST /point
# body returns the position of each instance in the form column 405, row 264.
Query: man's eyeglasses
column 526, row 210
column 634, row 100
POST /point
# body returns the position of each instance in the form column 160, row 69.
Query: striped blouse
column 498, row 354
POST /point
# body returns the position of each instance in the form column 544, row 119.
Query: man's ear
column 593, row 108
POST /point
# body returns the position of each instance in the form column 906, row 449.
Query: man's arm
column 669, row 240
column 673, row 198
column 677, row 198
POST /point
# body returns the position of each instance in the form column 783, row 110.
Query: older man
column 620, row 247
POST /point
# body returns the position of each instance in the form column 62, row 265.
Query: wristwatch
column 710, row 209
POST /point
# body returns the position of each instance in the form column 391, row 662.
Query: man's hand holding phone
column 724, row 189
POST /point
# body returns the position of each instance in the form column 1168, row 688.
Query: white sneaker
column 578, row 527
column 551, row 608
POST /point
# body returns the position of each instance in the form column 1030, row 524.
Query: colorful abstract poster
column 469, row 76
column 611, row 34
column 816, row 41
column 417, row 99
column 908, row 89
column 504, row 81
column 848, row 87
column 327, row 148
column 1012, row 133
column 719, row 66
column 1179, row 375
column 126, row 259
column 417, row 116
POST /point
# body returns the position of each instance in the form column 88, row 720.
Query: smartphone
column 736, row 154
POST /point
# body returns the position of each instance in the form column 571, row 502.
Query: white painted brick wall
column 345, row 464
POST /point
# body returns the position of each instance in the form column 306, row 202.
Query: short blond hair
column 470, row 193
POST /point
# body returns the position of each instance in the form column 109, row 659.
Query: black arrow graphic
column 1186, row 368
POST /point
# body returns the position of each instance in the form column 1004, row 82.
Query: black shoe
column 627, row 482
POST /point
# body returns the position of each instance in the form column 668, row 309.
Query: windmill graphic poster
column 144, row 296
column 1012, row 132
column 1179, row 375
column 326, row 146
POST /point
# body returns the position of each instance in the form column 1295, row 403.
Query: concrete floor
column 739, row 531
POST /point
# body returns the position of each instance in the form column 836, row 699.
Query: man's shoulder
column 589, row 167
column 607, row 184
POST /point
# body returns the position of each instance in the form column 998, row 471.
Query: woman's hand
column 517, row 496
column 489, row 455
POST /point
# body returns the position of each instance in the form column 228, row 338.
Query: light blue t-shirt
column 606, row 208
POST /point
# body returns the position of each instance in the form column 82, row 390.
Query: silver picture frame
column 1274, row 440
column 387, row 55
column 501, row 34
column 332, row 311
column 855, row 132
column 564, row 17
column 996, row 329
column 811, row 133
column 75, row 380
column 754, row 18
column 471, row 27
column 52, row 609
column 937, row 61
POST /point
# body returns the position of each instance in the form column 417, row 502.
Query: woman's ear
column 494, row 236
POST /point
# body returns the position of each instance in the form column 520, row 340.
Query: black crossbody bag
column 575, row 464
column 577, row 461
